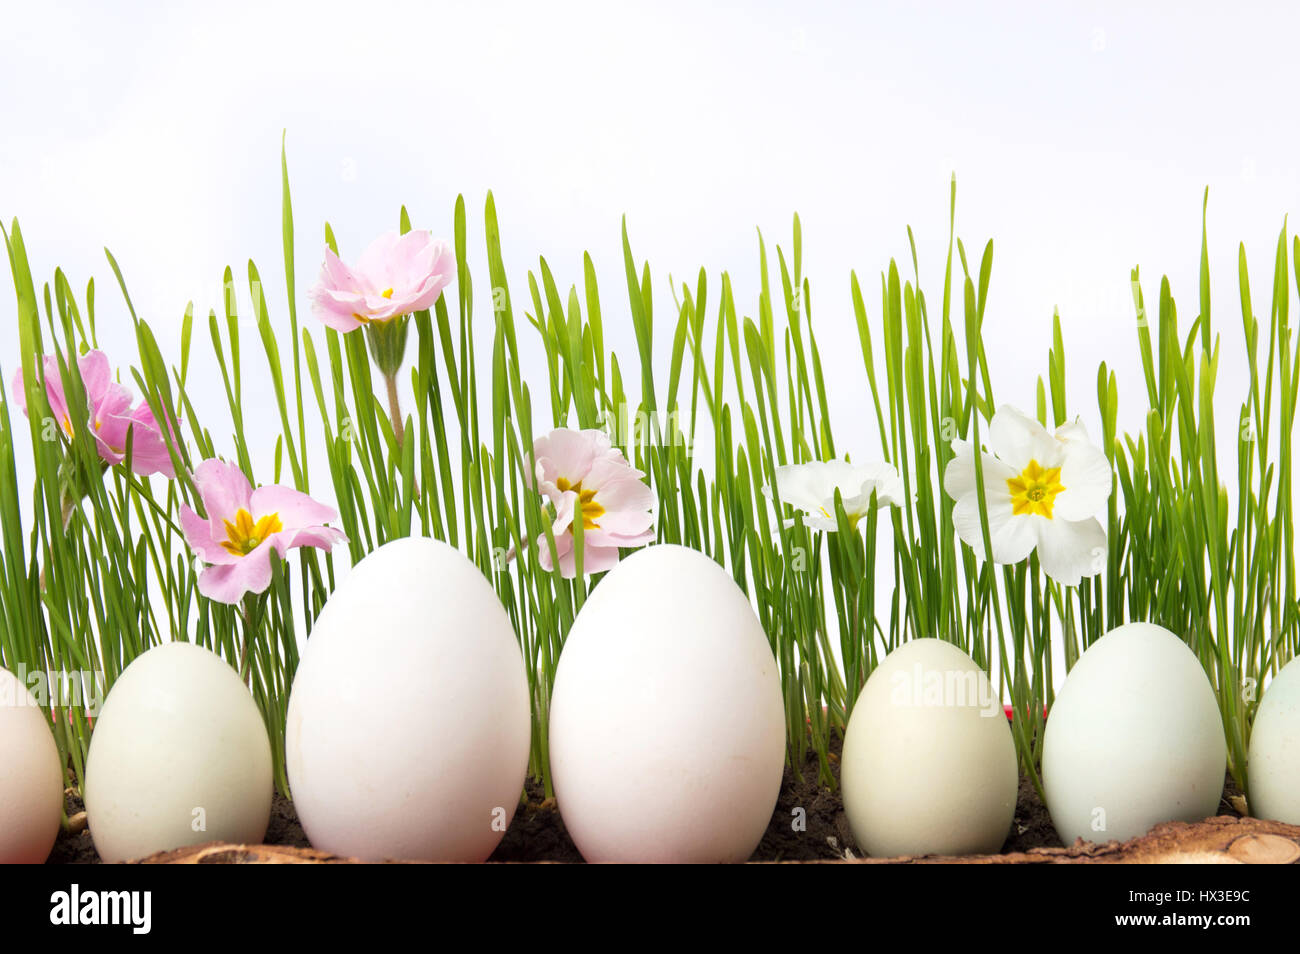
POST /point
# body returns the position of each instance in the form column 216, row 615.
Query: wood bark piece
column 1224, row 840
column 1221, row 840
column 222, row 853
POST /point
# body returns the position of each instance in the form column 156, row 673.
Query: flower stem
column 245, row 672
column 395, row 408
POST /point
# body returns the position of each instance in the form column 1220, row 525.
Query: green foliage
column 94, row 570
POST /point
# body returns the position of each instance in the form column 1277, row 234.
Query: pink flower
column 244, row 525
column 586, row 478
column 148, row 449
column 109, row 414
column 396, row 275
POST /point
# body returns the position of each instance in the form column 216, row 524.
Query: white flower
column 1043, row 492
column 811, row 488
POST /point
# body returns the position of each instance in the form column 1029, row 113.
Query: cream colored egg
column 31, row 778
column 928, row 766
column 409, row 727
column 1274, row 764
column 1133, row 739
column 667, row 730
column 179, row 756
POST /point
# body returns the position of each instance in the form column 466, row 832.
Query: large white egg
column 928, row 765
column 31, row 778
column 409, row 727
column 667, row 729
column 1274, row 763
column 179, row 756
column 1134, row 738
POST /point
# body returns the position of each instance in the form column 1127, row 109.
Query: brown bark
column 1221, row 840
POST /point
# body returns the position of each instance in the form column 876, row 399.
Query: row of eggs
column 409, row 732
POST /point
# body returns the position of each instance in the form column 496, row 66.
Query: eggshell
column 928, row 765
column 667, row 729
column 1274, row 762
column 179, row 756
column 31, row 777
column 409, row 728
column 1134, row 738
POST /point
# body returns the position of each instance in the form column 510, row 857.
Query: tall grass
column 95, row 570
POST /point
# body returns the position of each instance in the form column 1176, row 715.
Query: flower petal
column 54, row 388
column 336, row 275
column 97, row 377
column 569, row 454
column 382, row 263
column 1072, row 431
column 18, row 391
column 323, row 538
column 198, row 534
column 596, row 559
column 959, row 475
column 804, row 486
column 149, row 454
column 296, row 509
column 879, row 478
column 331, row 311
column 1013, row 538
column 619, row 486
column 1070, row 550
column 1086, row 475
column 1016, row 439
column 627, row 535
column 229, row 582
column 565, row 505
column 225, row 491
column 563, row 546
column 625, row 522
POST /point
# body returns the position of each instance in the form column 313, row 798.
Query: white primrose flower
column 1043, row 492
column 811, row 488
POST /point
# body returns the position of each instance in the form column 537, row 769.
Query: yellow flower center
column 244, row 536
column 586, row 500
column 1035, row 490
column 386, row 293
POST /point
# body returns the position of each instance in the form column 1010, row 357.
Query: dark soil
column 1032, row 826
column 538, row 833
column 70, row 848
column 809, row 823
column 283, row 829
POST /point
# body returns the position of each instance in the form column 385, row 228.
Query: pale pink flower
column 396, row 275
column 244, row 525
column 108, row 412
column 148, row 447
column 588, row 479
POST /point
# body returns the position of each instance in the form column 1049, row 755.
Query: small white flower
column 1043, row 492
column 811, row 488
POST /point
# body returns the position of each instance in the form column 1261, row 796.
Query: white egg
column 928, row 765
column 31, row 777
column 667, row 729
column 409, row 728
column 1133, row 739
column 1274, row 763
column 179, row 756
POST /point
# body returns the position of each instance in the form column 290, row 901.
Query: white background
column 1082, row 136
